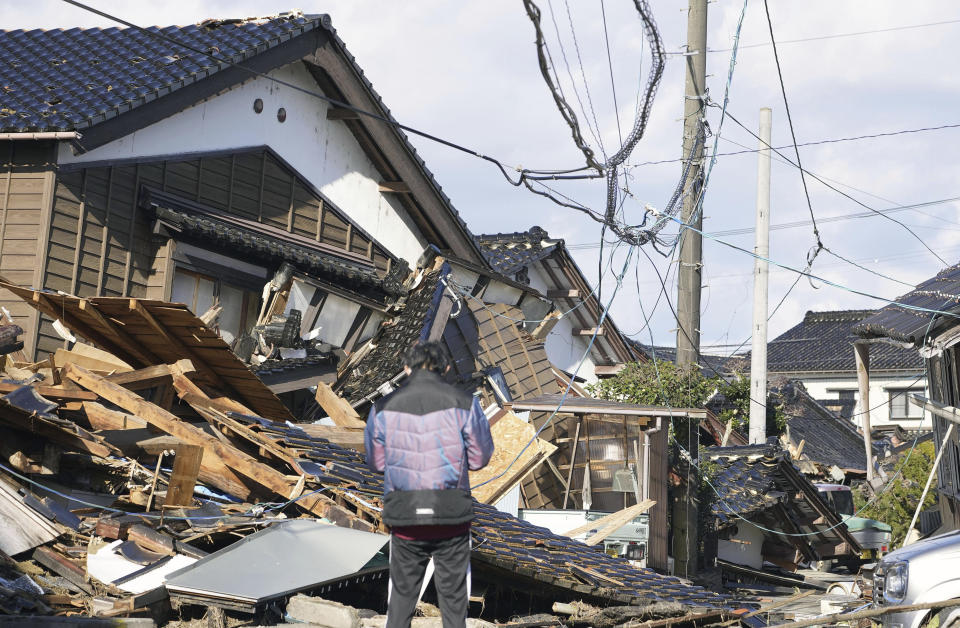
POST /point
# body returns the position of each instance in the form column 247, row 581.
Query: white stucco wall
column 322, row 151
column 564, row 349
column 825, row 387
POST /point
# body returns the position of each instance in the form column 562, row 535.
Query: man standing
column 425, row 438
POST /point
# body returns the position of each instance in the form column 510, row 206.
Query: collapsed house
column 149, row 544
column 245, row 255
column 924, row 320
column 766, row 511
column 824, row 446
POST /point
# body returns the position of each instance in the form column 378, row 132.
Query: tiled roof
column 71, row 80
column 823, row 342
column 500, row 539
column 277, row 366
column 259, row 242
column 828, row 439
column 752, row 479
column 901, row 324
column 384, row 361
column 65, row 80
column 711, row 365
column 508, row 253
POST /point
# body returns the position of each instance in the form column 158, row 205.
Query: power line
column 524, row 173
column 595, row 127
column 813, row 143
column 839, row 191
column 793, row 136
column 840, row 35
column 821, row 220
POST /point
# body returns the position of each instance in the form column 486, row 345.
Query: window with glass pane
column 900, row 406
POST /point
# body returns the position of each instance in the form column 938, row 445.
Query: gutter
column 41, row 135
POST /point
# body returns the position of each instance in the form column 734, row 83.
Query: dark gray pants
column 408, row 563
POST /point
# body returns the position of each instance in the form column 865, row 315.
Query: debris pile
column 162, row 473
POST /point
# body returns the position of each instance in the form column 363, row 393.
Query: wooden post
column 862, row 351
column 186, row 467
column 573, row 460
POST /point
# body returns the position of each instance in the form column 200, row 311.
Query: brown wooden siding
column 26, row 183
column 100, row 243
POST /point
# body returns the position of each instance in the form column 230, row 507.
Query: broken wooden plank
column 52, row 392
column 147, row 377
column 347, row 437
column 186, row 467
column 84, row 350
column 63, row 566
column 512, row 459
column 229, row 457
column 609, row 524
column 149, row 539
column 337, row 408
column 103, row 418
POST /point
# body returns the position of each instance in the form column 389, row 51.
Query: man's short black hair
column 432, row 356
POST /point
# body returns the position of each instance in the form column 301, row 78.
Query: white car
column 926, row 571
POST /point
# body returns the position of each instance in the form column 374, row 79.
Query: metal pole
column 862, row 351
column 761, row 278
column 685, row 543
column 926, row 488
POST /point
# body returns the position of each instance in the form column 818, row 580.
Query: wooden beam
column 348, row 437
column 102, row 418
column 563, row 294
column 342, row 113
column 337, row 408
column 588, row 331
column 396, row 187
column 229, row 457
column 150, row 376
column 605, row 526
column 52, row 392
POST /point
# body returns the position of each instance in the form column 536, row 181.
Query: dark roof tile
column 823, row 342
column 58, row 80
column 906, row 321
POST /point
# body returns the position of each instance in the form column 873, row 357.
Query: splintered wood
column 512, row 458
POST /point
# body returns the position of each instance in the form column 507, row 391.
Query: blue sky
column 468, row 72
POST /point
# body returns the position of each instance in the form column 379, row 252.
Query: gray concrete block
column 321, row 612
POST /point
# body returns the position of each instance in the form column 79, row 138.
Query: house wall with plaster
column 828, row 386
column 322, row 151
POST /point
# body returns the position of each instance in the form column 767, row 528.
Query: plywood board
column 512, row 458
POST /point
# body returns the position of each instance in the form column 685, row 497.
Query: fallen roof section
column 148, row 333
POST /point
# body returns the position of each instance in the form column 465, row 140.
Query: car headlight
column 895, row 582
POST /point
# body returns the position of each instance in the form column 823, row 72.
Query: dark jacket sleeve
column 374, row 439
column 476, row 438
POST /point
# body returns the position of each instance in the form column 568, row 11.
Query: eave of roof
column 262, row 242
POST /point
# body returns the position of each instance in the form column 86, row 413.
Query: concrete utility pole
column 862, row 352
column 761, row 278
column 685, row 546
